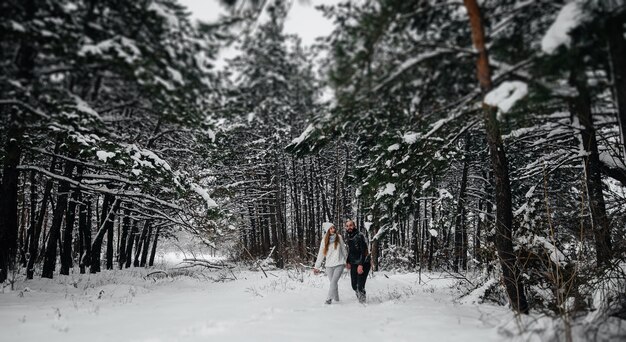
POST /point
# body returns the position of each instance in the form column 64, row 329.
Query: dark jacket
column 358, row 253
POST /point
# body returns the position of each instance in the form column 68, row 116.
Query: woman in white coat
column 333, row 249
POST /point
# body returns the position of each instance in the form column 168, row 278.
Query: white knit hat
column 326, row 226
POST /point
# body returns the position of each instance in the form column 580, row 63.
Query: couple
column 356, row 258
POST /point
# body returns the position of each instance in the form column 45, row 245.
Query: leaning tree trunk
column 139, row 243
column 580, row 106
column 50, row 255
column 109, row 207
column 499, row 164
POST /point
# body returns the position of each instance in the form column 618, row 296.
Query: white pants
column 334, row 273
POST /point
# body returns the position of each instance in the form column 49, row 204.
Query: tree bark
column 8, row 200
column 415, row 232
column 84, row 230
column 154, row 247
column 124, row 238
column 32, row 215
column 479, row 225
column 54, row 233
column 66, row 251
column 499, row 164
column 617, row 51
column 130, row 239
column 33, row 243
column 140, row 242
column 145, row 247
column 460, row 229
column 25, row 63
column 580, row 106
column 109, row 207
column 110, row 249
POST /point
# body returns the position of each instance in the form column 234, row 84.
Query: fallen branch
column 206, row 263
column 458, row 275
column 258, row 264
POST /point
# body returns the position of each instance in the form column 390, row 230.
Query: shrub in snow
column 608, row 294
column 397, row 258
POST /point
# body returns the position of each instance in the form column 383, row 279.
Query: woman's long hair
column 327, row 240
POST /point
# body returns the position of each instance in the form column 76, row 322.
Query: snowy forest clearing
column 287, row 305
column 485, row 140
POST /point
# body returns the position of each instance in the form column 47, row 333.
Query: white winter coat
column 334, row 257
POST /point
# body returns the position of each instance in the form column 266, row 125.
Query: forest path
column 285, row 306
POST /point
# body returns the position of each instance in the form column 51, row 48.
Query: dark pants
column 358, row 280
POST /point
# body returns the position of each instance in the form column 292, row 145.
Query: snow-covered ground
column 287, row 305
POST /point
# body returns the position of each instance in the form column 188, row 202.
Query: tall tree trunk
column 66, row 251
column 297, row 210
column 460, row 229
column 580, row 106
column 146, row 247
column 272, row 206
column 50, row 256
column 129, row 243
column 23, row 223
column 124, row 238
column 154, row 246
column 617, row 49
column 84, row 230
column 479, row 225
column 33, row 243
column 504, row 211
column 427, row 240
column 110, row 249
column 8, row 198
column 25, row 63
column 415, row 231
column 32, row 215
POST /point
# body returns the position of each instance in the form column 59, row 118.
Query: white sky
column 303, row 18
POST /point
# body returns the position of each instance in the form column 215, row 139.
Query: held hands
column 348, row 266
column 316, row 271
column 359, row 269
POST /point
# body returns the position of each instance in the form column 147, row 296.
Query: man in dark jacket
column 358, row 261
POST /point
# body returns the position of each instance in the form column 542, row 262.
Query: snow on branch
column 570, row 17
column 389, row 189
column 506, row 95
column 103, row 190
column 410, row 63
column 205, row 195
column 25, row 106
column 305, row 135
